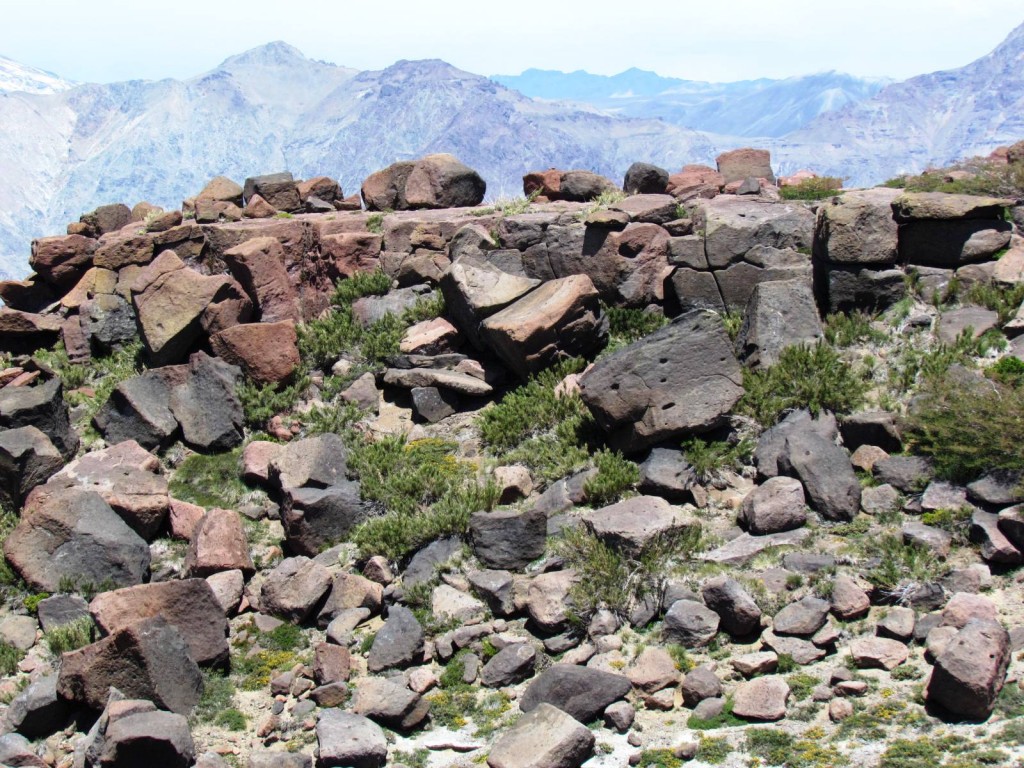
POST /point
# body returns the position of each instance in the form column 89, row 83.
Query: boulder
column 434, row 181
column 739, row 164
column 779, row 314
column 60, row 610
column 107, row 218
column 259, row 265
column 294, row 588
column 630, row 525
column 645, row 179
column 267, row 353
column 695, row 182
column 699, row 685
column 108, row 321
column 74, row 535
column 666, row 473
column 628, row 267
column 156, row 739
column 544, row 738
column 560, row 319
column 969, row 674
column 450, row 604
column 763, row 698
column 737, row 611
column 848, row 600
column 653, row 670
column 25, row 332
column 682, row 379
column 512, row 664
column 148, row 659
column 38, row 711
column 399, row 642
column 826, row 473
column 139, row 410
column 388, row 703
column 774, row 506
column 218, row 544
column 878, row 653
column 508, row 538
column 857, row 227
column 27, row 459
column 849, row 288
column 952, row 243
column 547, row 597
column 348, row 740
column 316, row 518
column 580, row 692
column 205, row 403
column 222, row 189
column 432, row 405
column 61, row 261
column 314, row 462
column 996, row 546
column 190, row 606
column 690, row 623
column 940, row 206
column 581, row 186
column 475, row 289
column 348, row 591
column 804, row 617
column 43, row 407
column 907, row 474
column 733, row 226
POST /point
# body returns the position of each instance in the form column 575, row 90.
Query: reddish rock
column 25, row 332
column 217, row 544
column 258, row 208
column 331, row 663
column 763, row 698
column 223, row 189
column 434, row 181
column 256, row 459
column 970, row 671
column 189, row 605
column 321, row 187
column 431, row 337
column 259, row 265
column 27, row 295
column 745, row 163
column 61, row 261
column 184, row 518
column 799, row 177
column 543, row 184
column 347, row 253
column 695, row 181
column 878, row 653
column 120, row 249
column 266, row 352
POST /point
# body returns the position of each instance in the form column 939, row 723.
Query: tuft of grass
column 615, row 579
column 616, row 476
column 375, row 223
column 71, row 636
column 210, row 480
column 218, row 696
column 902, row 566
column 626, row 324
column 844, row 330
column 659, row 758
column 10, row 656
column 1008, row 370
column 1004, row 300
column 261, row 402
column 813, row 189
column 711, row 457
column 806, row 376
column 988, row 179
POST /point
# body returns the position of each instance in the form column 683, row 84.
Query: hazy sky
column 108, row 40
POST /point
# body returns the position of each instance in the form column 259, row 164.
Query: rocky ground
column 581, row 479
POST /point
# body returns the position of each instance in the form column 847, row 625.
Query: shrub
column 70, row 636
column 231, row 719
column 10, row 656
column 813, row 189
column 1009, row 371
column 261, row 402
column 711, row 457
column 968, row 430
column 218, row 696
column 1004, row 300
column 845, row 330
column 210, row 480
column 988, row 179
column 902, row 566
column 616, row 579
column 626, row 324
column 713, row 750
column 806, row 376
column 615, row 477
column 771, row 744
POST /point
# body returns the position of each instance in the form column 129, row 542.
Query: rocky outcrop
column 435, row 181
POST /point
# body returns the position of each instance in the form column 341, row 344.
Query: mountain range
column 65, row 147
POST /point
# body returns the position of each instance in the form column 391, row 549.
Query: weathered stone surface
column 266, row 352
column 27, row 459
column 745, row 547
column 316, row 518
column 857, row 227
column 940, row 206
column 223, row 189
column 24, row 332
column 348, row 591
column 62, row 260
column 431, row 337
column 739, row 164
column 139, row 409
column 632, row 524
column 848, row 288
column 974, row 321
column 908, row 474
column 878, row 653
column 678, row 380
column 996, row 547
column 316, row 462
column 628, row 267
column 582, row 186
column 512, row 664
column 690, row 623
column 59, row 610
column 434, row 181
column 848, row 600
column 737, row 611
column 876, row 428
column 74, row 534
column 952, row 243
column 804, row 617
column 779, row 314
column 696, row 290
column 774, row 506
column 475, row 289
column 560, row 319
column 544, row 738
column 388, row 703
column 653, row 670
column 826, row 473
column 763, row 698
column 752, row 664
column 547, row 597
column 217, row 544
column 929, row 537
column 294, row 588
column 43, row 407
column 645, row 179
column 156, row 739
column 398, row 643
column 964, row 606
column 733, row 226
column 147, row 659
column 700, row 684
column 898, row 624
column 508, row 538
column 970, row 672
column 463, row 383
column 190, row 606
column 494, row 587
column 347, row 740
column 205, row 403
column 38, row 711
column 581, row 692
column 666, row 473
column 259, row 265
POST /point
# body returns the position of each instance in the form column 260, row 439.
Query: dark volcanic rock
column 680, row 380
column 578, row 691
column 398, row 643
column 42, row 407
column 508, row 538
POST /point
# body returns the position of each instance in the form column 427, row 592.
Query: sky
column 714, row 40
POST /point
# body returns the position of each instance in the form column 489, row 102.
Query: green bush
column 261, row 402
column 9, row 658
column 713, row 750
column 902, row 566
column 212, row 480
column 710, row 457
column 1004, row 300
column 70, row 636
column 770, row 744
column 968, row 430
column 231, row 719
column 626, row 325
column 615, row 477
column 846, row 329
column 616, row 579
column 1009, row 371
column 806, row 376
column 218, row 696
column 813, row 189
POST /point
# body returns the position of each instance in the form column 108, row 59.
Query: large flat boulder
column 733, row 226
column 632, row 524
column 581, row 692
column 857, row 227
column 434, row 181
column 544, row 738
column 474, row 289
column 268, row 353
column 779, row 314
column 970, row 672
column 682, row 379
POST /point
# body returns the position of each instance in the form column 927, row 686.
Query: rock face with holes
column 680, row 380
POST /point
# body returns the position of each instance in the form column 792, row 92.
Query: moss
column 212, row 480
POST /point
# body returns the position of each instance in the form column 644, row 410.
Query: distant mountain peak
column 275, row 54
column 15, row 76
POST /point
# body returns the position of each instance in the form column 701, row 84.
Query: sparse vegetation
column 984, row 178
column 615, row 477
column 813, row 189
column 70, row 636
column 902, row 566
column 10, row 656
column 709, row 458
column 210, row 480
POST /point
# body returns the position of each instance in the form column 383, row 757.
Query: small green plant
column 817, row 188
column 902, row 566
column 709, row 458
column 615, row 477
column 31, row 602
column 71, row 636
column 418, row 758
column 786, row 664
column 801, row 684
column 231, row 719
column 514, row 206
column 846, row 329
column 906, row 672
column 1004, row 300
column 955, row 521
column 261, row 402
column 212, row 480
column 1008, row 370
column 218, row 696
column 773, row 745
column 614, row 578
column 733, row 322
column 626, row 324
column 713, row 750
column 10, row 656
column 659, row 758
column 681, row 657
column 375, row 223
column 806, row 376
column 284, row 637
column 725, row 719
